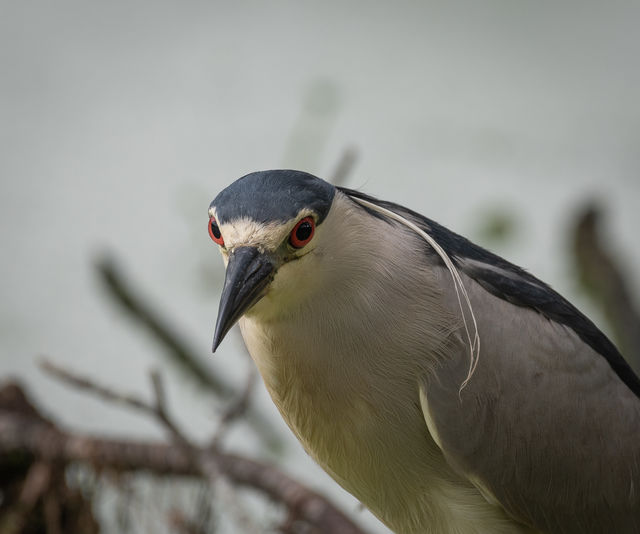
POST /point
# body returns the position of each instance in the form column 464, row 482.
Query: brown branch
column 205, row 464
column 20, row 433
column 35, row 484
column 51, row 512
column 159, row 410
column 35, row 493
column 208, row 462
column 602, row 276
column 34, row 487
column 156, row 411
column 102, row 392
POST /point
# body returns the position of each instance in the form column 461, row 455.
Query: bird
column 447, row 389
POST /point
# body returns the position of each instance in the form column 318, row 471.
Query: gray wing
column 546, row 426
column 549, row 424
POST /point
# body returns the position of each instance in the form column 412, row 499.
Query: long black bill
column 248, row 272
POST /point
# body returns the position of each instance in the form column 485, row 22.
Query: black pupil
column 215, row 230
column 303, row 232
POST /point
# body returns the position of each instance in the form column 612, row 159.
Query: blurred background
column 120, row 121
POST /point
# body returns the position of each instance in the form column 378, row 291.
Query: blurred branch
column 86, row 384
column 321, row 103
column 601, row 275
column 35, row 496
column 23, row 433
column 236, row 409
column 345, row 166
column 125, row 295
column 205, row 464
column 34, row 487
column 157, row 411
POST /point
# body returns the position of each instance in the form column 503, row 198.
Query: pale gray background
column 120, row 121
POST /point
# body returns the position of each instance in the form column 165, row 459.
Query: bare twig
column 35, row 484
column 86, row 384
column 158, row 391
column 128, row 298
column 236, row 409
column 157, row 410
column 178, row 349
column 206, row 464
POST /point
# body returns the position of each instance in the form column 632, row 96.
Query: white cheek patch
column 245, row 232
column 248, row 233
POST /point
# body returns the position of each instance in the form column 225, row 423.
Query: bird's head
column 269, row 228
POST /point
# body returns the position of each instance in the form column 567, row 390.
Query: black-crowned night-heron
column 447, row 389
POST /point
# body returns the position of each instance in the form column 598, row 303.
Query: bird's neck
column 343, row 368
column 357, row 335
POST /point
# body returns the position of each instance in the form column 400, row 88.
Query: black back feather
column 519, row 288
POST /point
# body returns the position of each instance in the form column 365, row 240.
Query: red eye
column 214, row 232
column 302, row 232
